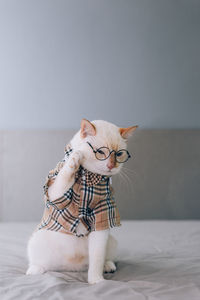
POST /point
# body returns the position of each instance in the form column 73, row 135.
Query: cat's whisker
column 132, row 174
column 124, row 183
column 126, row 177
column 130, row 170
column 118, row 180
column 122, row 178
column 128, row 181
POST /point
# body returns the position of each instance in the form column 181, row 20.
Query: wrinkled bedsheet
column 156, row 260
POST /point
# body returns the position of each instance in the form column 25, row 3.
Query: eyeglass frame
column 120, row 162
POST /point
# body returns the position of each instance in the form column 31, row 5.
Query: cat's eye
column 122, row 156
column 102, row 153
column 119, row 153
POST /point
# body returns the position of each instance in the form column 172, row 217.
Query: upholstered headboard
column 161, row 181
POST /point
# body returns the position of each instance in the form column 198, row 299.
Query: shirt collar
column 89, row 177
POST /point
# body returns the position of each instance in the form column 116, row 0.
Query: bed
column 156, row 260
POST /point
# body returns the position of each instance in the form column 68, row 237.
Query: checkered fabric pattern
column 89, row 201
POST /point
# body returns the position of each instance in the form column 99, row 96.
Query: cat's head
column 96, row 134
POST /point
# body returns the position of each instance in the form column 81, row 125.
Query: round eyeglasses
column 103, row 153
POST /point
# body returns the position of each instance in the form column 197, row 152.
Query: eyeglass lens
column 103, row 153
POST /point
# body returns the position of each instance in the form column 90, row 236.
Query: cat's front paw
column 75, row 160
column 35, row 270
column 95, row 279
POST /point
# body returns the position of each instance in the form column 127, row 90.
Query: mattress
column 156, row 260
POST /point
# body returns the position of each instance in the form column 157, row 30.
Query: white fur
column 49, row 250
column 55, row 251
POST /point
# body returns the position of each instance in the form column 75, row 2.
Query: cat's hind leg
column 55, row 251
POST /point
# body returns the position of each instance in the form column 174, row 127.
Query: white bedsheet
column 157, row 260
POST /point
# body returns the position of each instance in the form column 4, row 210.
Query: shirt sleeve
column 62, row 201
column 51, row 177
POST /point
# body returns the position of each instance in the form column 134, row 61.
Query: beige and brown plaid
column 89, row 201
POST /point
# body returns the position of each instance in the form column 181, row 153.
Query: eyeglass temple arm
column 91, row 147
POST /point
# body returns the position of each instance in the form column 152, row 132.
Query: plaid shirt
column 89, row 201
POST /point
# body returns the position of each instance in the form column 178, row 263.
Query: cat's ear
column 87, row 128
column 127, row 132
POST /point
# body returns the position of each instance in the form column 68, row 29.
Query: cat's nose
column 110, row 166
column 111, row 163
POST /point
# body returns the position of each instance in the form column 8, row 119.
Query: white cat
column 95, row 250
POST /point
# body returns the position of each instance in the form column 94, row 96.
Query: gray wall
column 128, row 61
column 161, row 180
column 125, row 61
